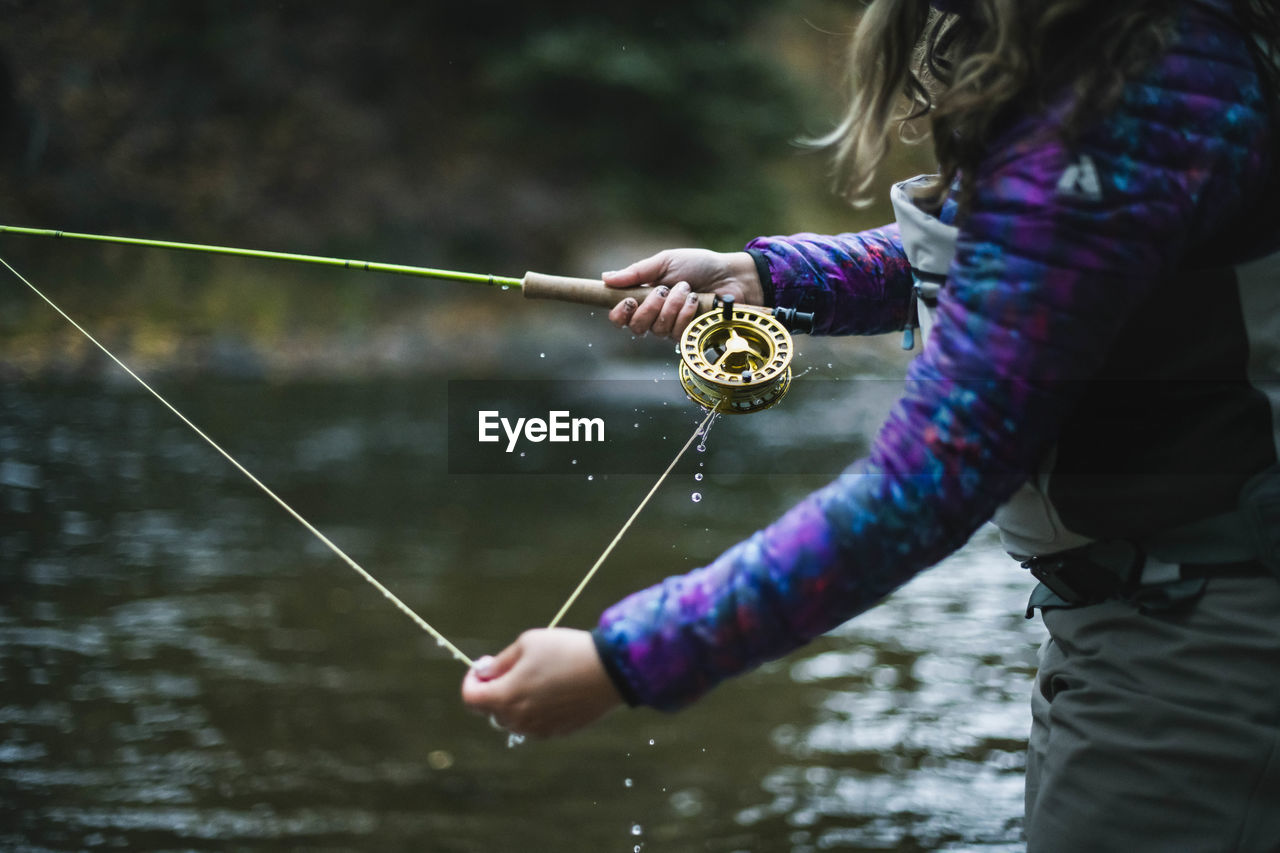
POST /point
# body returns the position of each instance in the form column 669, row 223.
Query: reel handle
column 590, row 291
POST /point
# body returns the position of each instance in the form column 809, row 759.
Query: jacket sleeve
column 854, row 284
column 1058, row 248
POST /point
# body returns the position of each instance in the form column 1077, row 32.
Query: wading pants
column 1159, row 732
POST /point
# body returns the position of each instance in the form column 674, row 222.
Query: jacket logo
column 1080, row 180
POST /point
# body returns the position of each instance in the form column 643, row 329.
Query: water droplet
column 514, row 740
column 522, row 454
column 637, row 426
column 698, row 476
column 636, row 829
column 590, row 477
column 828, row 365
column 506, row 287
column 590, row 344
column 542, row 355
column 627, row 782
column 650, row 741
column 702, row 448
column 575, row 462
column 695, row 497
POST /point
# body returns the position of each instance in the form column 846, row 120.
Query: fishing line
column 356, row 567
column 735, row 359
column 617, row 538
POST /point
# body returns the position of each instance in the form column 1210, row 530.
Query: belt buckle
column 1084, row 575
column 1049, row 571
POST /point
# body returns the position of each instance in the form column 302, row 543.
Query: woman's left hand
column 548, row 682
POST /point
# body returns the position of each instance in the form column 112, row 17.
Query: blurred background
column 183, row 668
column 487, row 137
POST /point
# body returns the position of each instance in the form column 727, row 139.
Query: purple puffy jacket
column 1132, row 328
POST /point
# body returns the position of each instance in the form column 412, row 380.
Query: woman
column 1097, row 267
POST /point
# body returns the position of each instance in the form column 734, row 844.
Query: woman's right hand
column 675, row 274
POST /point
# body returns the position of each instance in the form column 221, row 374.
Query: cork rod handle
column 588, row 291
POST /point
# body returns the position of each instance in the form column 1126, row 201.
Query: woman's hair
column 968, row 74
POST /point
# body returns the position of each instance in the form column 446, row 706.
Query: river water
column 182, row 667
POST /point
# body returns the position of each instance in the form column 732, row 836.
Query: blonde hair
column 884, row 62
column 969, row 75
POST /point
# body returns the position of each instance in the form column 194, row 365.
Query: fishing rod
column 734, row 358
column 533, row 285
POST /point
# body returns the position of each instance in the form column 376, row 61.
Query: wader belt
column 1119, row 570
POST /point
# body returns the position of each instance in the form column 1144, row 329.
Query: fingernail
column 692, row 299
column 608, row 272
column 629, row 304
column 483, row 667
column 664, row 290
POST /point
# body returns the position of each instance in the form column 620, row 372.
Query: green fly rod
column 534, row 285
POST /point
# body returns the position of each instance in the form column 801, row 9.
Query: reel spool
column 736, row 359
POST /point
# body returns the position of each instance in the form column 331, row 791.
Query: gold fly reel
column 736, row 359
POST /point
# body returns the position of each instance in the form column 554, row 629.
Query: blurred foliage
column 485, row 136
column 481, row 128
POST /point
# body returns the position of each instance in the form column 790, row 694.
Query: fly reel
column 736, row 359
